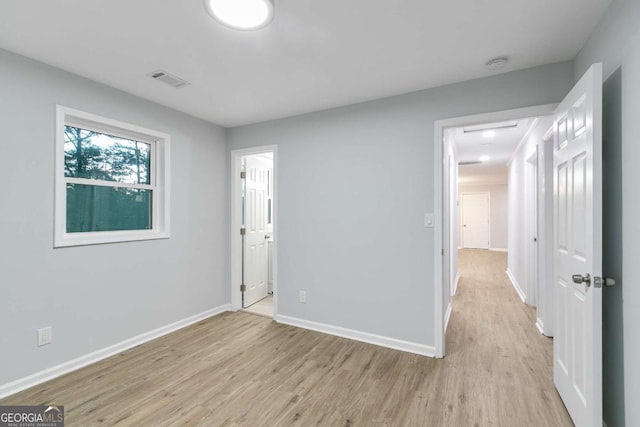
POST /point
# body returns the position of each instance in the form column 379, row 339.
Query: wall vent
column 169, row 79
column 473, row 162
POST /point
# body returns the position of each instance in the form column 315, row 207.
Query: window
column 112, row 181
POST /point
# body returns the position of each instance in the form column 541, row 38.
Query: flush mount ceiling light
column 485, row 158
column 489, row 134
column 241, row 14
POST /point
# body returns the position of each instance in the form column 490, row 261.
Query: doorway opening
column 253, row 231
column 480, row 165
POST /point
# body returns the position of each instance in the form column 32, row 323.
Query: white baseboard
column 455, row 284
column 410, row 347
column 516, row 285
column 447, row 316
column 498, row 249
column 72, row 365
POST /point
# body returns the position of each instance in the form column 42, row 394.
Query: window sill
column 105, row 237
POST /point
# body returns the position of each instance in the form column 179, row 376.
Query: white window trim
column 160, row 146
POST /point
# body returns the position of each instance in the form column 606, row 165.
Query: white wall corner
column 516, row 286
column 88, row 359
column 396, row 344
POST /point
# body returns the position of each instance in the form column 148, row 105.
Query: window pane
column 97, row 208
column 94, row 155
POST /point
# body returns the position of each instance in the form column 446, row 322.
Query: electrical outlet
column 45, row 336
column 303, row 296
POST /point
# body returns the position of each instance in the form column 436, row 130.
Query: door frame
column 545, row 307
column 441, row 211
column 234, row 237
column 461, row 214
column 532, row 221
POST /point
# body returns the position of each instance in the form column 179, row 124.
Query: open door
column 256, row 234
column 577, row 182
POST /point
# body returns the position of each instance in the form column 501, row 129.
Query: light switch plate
column 429, row 221
column 45, row 336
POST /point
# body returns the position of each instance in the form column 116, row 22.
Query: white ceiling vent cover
column 169, row 79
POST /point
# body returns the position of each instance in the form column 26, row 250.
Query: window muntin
column 111, row 181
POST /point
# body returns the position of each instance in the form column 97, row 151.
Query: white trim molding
column 447, row 316
column 455, row 286
column 396, row 344
column 159, row 180
column 516, row 286
column 88, row 359
column 498, row 249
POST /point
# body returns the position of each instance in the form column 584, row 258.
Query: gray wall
column 616, row 43
column 354, row 183
column 97, row 296
column 499, row 200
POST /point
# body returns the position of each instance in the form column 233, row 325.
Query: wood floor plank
column 238, row 369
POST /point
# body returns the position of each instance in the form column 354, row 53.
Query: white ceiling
column 472, row 145
column 315, row 54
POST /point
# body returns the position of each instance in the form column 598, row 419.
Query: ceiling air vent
column 473, row 162
column 169, row 79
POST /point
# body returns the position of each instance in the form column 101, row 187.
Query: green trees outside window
column 110, row 174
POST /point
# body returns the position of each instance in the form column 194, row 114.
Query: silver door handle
column 579, row 278
column 267, row 236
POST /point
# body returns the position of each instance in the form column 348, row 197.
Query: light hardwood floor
column 238, row 369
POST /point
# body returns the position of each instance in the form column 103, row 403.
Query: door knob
column 267, row 236
column 579, row 278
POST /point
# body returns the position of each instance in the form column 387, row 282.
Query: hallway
column 496, row 356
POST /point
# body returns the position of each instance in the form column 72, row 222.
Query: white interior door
column 475, row 220
column 256, row 235
column 577, row 166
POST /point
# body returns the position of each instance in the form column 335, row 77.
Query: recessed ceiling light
column 485, row 158
column 489, row 133
column 497, row 63
column 241, row 14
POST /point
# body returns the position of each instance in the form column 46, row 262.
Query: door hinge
column 243, row 175
column 243, row 231
column 243, row 288
column 443, row 252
